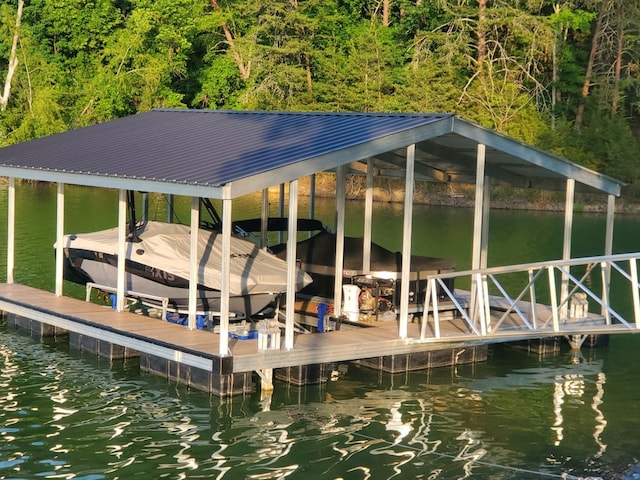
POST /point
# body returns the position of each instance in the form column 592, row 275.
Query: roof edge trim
column 538, row 157
column 118, row 183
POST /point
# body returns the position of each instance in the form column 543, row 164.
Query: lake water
column 67, row 414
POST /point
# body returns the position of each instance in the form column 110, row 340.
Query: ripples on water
column 66, row 414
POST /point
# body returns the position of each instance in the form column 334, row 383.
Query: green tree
column 516, row 65
column 143, row 63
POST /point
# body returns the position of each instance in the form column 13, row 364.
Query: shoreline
column 391, row 190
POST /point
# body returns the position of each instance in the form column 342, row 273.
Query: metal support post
column 406, row 242
column 291, row 265
column 194, row 261
column 566, row 247
column 368, row 217
column 340, row 218
column 60, row 240
column 633, row 272
column 122, row 250
column 554, row 298
column 11, row 229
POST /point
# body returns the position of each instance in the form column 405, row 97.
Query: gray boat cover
column 166, row 247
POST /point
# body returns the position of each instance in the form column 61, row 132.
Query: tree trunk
column 244, row 68
column 385, row 12
column 586, row 86
column 618, row 69
column 13, row 60
column 307, row 64
column 482, row 35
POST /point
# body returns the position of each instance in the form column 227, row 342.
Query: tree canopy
column 560, row 74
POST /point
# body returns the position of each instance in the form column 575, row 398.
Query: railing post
column 633, row 270
column 436, row 313
column 554, row 298
column 605, row 271
column 487, row 305
column 483, row 321
column 481, row 302
column 425, row 309
column 532, row 298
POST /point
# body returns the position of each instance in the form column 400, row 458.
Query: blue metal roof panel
column 203, row 147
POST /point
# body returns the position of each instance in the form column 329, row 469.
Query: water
column 67, row 414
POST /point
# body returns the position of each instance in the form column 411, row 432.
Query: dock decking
column 198, row 348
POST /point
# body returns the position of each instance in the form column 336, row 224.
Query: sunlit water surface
column 67, row 414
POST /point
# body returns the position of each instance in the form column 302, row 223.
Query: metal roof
column 225, row 154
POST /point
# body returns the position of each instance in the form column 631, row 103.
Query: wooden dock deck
column 199, row 348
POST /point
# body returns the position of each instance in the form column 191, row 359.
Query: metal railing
column 537, row 297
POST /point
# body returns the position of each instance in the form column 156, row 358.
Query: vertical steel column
column 479, row 247
column 194, row 261
column 59, row 239
column 406, row 242
column 291, row 265
column 340, row 214
column 484, row 253
column 145, row 207
column 281, row 209
column 608, row 250
column 633, row 273
column 368, row 217
column 225, row 276
column 122, row 250
column 312, row 198
column 608, row 240
column 264, row 219
column 11, row 229
column 478, row 219
column 170, row 208
column 554, row 298
column 486, row 209
column 566, row 246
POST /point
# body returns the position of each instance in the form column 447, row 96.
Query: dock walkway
column 198, row 348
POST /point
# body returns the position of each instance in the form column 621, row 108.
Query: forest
column 563, row 75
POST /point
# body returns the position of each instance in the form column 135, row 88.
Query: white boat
column 157, row 265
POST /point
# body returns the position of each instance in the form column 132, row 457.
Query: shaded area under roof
column 225, row 154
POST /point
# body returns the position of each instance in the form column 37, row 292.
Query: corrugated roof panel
column 201, row 146
column 177, row 151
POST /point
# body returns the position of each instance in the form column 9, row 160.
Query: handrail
column 514, row 306
column 518, row 268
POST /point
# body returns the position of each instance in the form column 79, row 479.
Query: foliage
column 521, row 67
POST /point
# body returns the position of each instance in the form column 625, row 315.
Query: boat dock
column 190, row 356
column 232, row 154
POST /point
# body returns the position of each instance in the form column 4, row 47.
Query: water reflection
column 456, row 423
column 572, row 387
column 518, row 416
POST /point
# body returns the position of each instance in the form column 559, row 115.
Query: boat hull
column 157, row 265
column 104, row 275
column 316, row 256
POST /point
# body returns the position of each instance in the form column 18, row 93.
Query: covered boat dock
column 227, row 154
